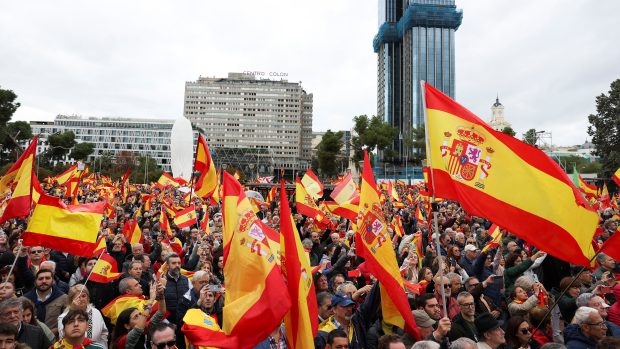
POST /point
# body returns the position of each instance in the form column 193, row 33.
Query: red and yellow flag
column 496, row 238
column 208, row 180
column 67, row 228
column 509, row 182
column 301, row 322
column 36, row 188
column 347, row 209
column 105, row 270
column 616, row 177
column 113, row 309
column 345, row 191
column 202, row 330
column 397, row 225
column 313, row 185
column 256, row 295
column 100, row 245
column 132, row 232
column 164, row 223
column 272, row 194
column 305, row 203
column 589, row 190
column 186, row 217
column 62, row 178
column 19, row 178
column 165, row 180
column 375, row 245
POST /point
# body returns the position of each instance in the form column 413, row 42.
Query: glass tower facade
column 415, row 41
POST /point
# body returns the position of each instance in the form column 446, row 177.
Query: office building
column 255, row 122
column 142, row 137
column 415, row 42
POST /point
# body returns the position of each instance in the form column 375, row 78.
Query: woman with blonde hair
column 79, row 298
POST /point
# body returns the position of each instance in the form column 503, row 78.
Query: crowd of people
column 465, row 292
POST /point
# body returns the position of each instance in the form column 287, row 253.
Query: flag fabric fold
column 186, row 217
column 202, row 330
column 345, row 190
column 374, row 244
column 509, row 182
column 616, row 177
column 19, row 177
column 67, row 228
column 301, row 322
column 208, row 180
column 256, row 295
column 313, row 185
column 105, row 270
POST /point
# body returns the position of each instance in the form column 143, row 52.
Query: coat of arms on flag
column 465, row 154
column 372, row 227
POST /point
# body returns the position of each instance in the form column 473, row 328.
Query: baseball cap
column 341, row 299
column 422, row 319
column 470, row 247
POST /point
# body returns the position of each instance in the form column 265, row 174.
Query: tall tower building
column 415, row 42
column 253, row 124
column 498, row 122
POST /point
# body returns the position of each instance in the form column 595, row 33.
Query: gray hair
column 199, row 274
column 463, row 343
column 582, row 315
column 11, row 303
column 425, row 345
column 52, row 264
column 322, row 296
column 124, row 284
column 451, row 276
column 306, row 242
column 171, row 255
column 459, row 235
column 584, row 299
column 463, row 295
column 552, row 345
column 525, row 282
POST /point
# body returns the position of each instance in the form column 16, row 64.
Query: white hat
column 469, row 248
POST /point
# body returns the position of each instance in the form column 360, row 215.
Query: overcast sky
column 546, row 59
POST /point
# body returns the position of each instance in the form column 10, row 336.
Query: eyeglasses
column 471, row 305
column 525, row 330
column 36, row 251
column 473, row 285
column 447, row 286
column 170, row 344
column 601, row 324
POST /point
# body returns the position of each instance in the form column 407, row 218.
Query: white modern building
column 252, row 121
column 142, row 137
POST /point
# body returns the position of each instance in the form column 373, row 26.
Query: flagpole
column 90, row 273
column 434, row 204
column 19, row 248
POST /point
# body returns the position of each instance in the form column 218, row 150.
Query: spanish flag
column 313, row 185
column 496, row 238
column 36, row 188
column 589, row 190
column 208, row 180
column 105, row 270
column 397, row 225
column 375, row 245
column 166, row 180
column 113, row 309
column 100, row 245
column 301, row 321
column 19, row 177
column 67, row 228
column 616, row 177
column 256, row 295
column 164, row 223
column 347, row 209
column 346, row 190
column 186, row 217
column 202, row 330
column 62, row 178
column 509, row 182
column 305, row 203
column 132, row 232
column 272, row 194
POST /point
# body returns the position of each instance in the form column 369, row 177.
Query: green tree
column 60, row 144
column 146, row 170
column 329, row 152
column 8, row 106
column 373, row 133
column 509, row 131
column 10, row 136
column 605, row 130
column 529, row 137
column 415, row 144
column 81, row 151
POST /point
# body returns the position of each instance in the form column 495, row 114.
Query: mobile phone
column 498, row 277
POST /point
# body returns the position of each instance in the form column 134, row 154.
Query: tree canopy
column 509, row 131
column 60, row 144
column 605, row 130
column 329, row 151
column 8, row 106
column 81, row 151
column 372, row 133
column 529, row 137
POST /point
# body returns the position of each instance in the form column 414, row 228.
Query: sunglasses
column 525, row 330
column 36, row 251
column 171, row 344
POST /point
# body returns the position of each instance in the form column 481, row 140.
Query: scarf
column 63, row 344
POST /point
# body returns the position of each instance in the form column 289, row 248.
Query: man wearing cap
column 354, row 323
column 425, row 326
column 490, row 334
column 468, row 258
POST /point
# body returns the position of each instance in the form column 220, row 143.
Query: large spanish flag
column 305, row 203
column 513, row 184
column 105, row 270
column 312, row 184
column 208, row 180
column 301, row 322
column 20, row 175
column 375, row 245
column 256, row 295
column 67, row 228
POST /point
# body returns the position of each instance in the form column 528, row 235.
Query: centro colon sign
column 262, row 73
